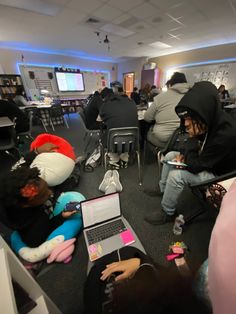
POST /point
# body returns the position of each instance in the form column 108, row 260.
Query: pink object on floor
column 63, row 252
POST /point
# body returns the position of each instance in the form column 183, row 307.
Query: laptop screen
column 100, row 209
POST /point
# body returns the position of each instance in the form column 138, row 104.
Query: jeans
column 174, row 180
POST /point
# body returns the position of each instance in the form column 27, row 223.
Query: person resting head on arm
column 27, row 205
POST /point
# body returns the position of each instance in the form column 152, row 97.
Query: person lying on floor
column 210, row 149
column 127, row 281
column 27, row 203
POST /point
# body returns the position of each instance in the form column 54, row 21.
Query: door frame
column 124, row 74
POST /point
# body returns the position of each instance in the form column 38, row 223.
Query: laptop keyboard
column 105, row 231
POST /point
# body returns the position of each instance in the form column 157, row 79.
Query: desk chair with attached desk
column 123, row 140
column 210, row 193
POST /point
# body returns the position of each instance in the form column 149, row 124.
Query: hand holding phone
column 176, row 163
column 72, row 206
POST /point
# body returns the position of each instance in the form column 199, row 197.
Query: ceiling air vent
column 92, row 20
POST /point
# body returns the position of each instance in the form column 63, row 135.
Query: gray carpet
column 64, row 283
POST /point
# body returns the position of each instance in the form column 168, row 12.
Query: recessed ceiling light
column 159, row 44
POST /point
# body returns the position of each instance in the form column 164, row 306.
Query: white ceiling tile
column 124, row 4
column 84, row 6
column 122, row 18
column 144, row 11
column 107, row 12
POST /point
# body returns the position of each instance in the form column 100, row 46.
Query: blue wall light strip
column 202, row 63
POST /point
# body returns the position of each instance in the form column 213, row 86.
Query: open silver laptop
column 105, row 230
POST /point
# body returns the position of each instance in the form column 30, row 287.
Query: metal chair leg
column 139, row 168
column 51, row 124
column 65, row 121
column 105, row 161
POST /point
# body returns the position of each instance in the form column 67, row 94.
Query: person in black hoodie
column 210, row 149
column 92, row 111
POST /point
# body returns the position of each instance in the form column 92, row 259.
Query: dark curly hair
column 11, row 184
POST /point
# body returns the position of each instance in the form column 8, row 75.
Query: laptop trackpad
column 105, row 247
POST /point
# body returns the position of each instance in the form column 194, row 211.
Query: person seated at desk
column 91, row 112
column 163, row 111
column 210, row 149
column 153, row 92
column 27, row 201
column 223, row 93
column 10, row 109
column 127, row 281
column 135, row 96
column 19, row 99
column 117, row 112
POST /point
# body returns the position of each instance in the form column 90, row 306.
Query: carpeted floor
column 64, row 283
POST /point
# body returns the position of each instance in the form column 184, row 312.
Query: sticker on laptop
column 95, row 251
column 127, row 237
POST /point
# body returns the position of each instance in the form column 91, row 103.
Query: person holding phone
column 210, row 149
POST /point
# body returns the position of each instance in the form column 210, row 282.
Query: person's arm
column 151, row 112
column 128, row 266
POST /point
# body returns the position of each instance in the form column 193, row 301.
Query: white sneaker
column 116, row 179
column 111, row 188
column 105, row 181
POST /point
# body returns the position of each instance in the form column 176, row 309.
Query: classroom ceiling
column 135, row 28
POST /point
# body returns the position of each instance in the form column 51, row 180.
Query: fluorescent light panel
column 159, row 44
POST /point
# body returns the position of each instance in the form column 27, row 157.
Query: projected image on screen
column 70, row 82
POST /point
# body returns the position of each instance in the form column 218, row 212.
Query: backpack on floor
column 92, row 150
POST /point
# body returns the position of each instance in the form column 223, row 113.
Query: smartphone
column 176, row 163
column 71, row 206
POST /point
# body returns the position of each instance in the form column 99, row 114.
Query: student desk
column 5, row 121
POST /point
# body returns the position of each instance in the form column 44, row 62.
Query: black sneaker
column 123, row 164
column 159, row 218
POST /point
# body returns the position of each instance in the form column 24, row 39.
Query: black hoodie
column 218, row 154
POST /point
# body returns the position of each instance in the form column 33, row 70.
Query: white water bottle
column 178, row 225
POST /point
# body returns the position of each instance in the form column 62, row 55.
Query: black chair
column 123, row 140
column 210, row 193
column 57, row 116
column 27, row 134
column 8, row 142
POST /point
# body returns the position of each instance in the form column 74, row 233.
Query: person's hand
column 68, row 214
column 127, row 267
column 179, row 158
column 46, row 148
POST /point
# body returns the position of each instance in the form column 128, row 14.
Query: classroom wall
column 133, row 65
column 197, row 55
column 10, row 58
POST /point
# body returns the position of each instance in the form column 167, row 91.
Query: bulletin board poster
column 223, row 73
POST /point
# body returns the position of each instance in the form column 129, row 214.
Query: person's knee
column 176, row 177
column 170, row 156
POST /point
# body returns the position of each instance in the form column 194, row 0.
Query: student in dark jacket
column 210, row 149
column 92, row 111
column 117, row 112
column 127, row 281
column 135, row 96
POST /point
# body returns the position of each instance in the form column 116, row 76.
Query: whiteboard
column 223, row 73
column 93, row 80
